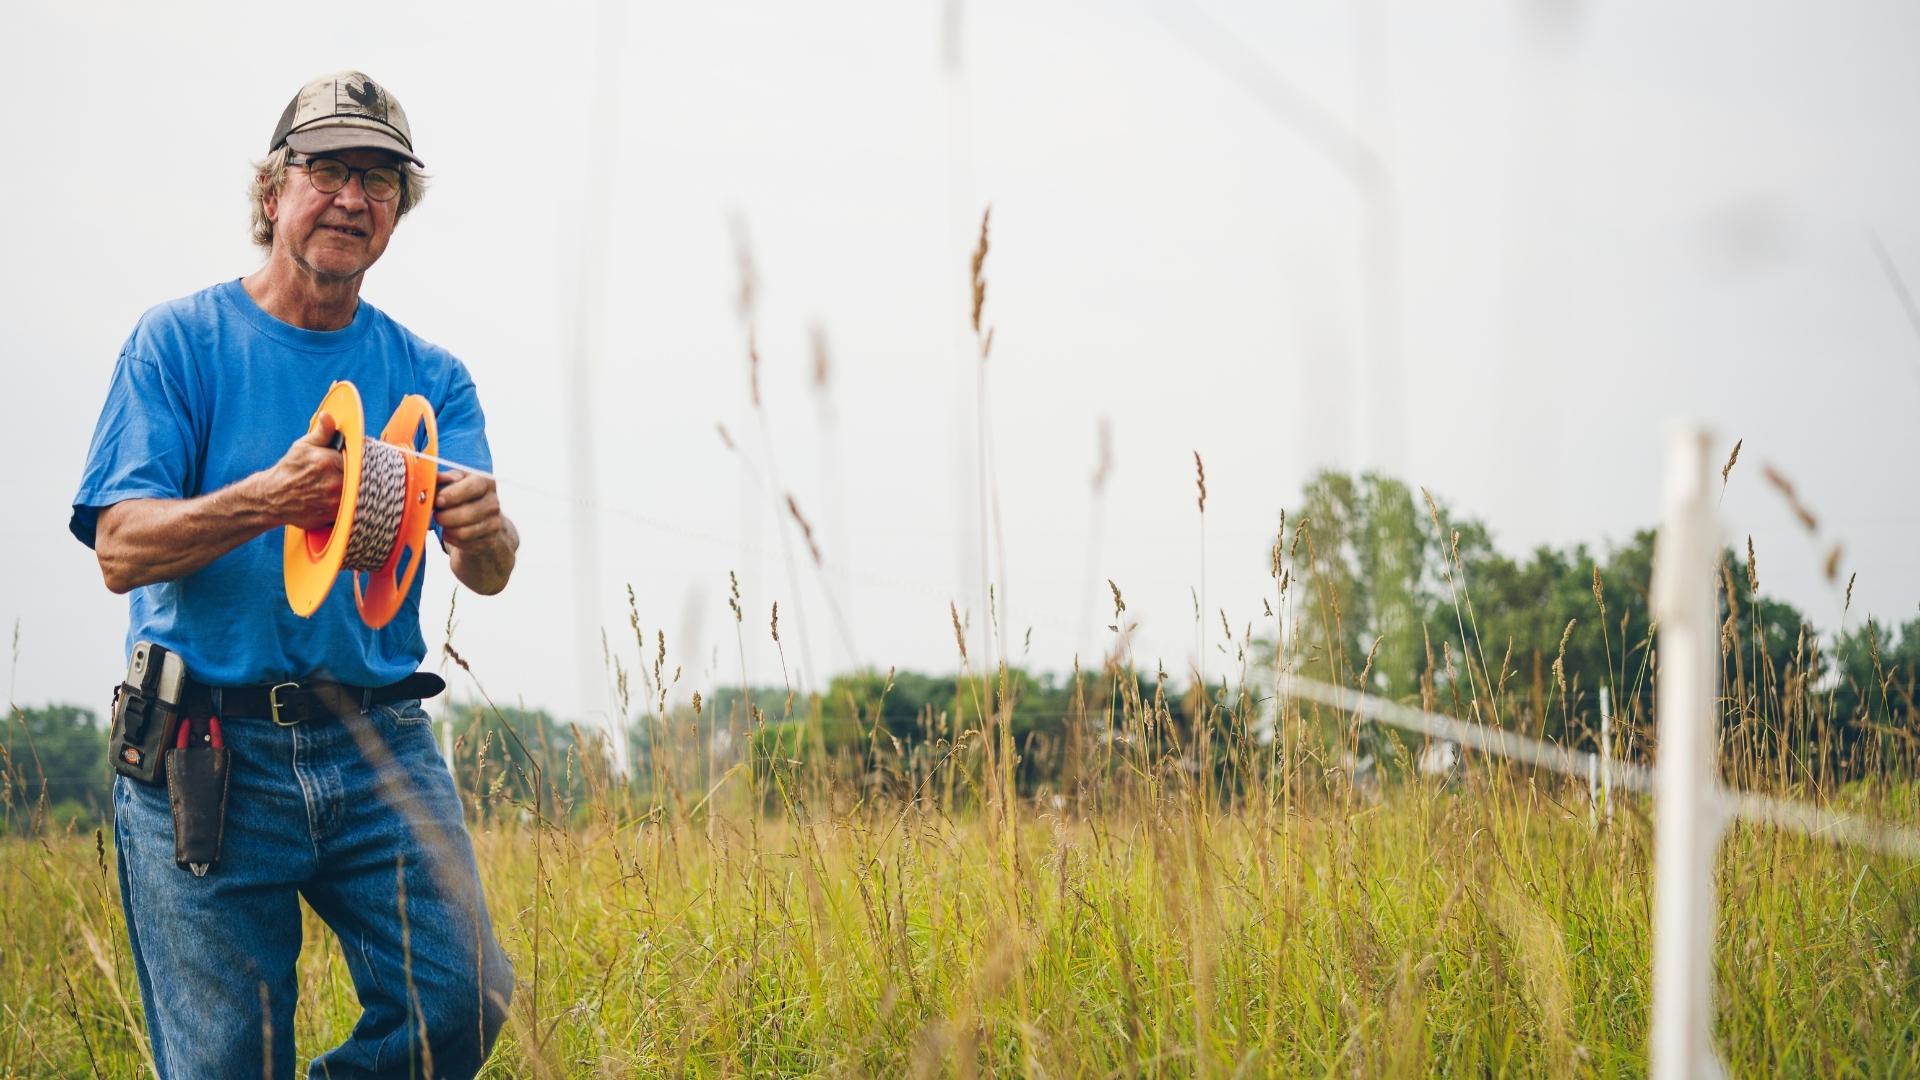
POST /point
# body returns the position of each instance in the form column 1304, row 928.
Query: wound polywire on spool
column 379, row 530
column 377, row 513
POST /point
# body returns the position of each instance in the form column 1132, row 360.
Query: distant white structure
column 1606, row 755
column 1441, row 757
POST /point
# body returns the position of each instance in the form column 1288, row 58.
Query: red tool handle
column 213, row 733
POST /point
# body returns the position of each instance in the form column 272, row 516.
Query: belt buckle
column 273, row 703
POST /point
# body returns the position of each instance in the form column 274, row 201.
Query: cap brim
column 322, row 140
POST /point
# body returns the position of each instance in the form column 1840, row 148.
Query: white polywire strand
column 656, row 523
column 830, row 568
column 1883, row 837
column 1785, row 814
column 454, row 465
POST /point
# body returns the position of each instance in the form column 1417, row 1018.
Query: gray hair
column 270, row 178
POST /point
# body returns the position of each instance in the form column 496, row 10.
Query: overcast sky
column 1495, row 248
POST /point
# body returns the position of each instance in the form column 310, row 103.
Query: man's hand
column 303, row 487
column 479, row 539
column 468, row 509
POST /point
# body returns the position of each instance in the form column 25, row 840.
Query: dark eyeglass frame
column 399, row 179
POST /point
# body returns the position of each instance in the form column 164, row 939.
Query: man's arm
column 143, row 541
column 481, row 542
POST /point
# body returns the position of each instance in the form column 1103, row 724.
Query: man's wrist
column 495, row 550
column 249, row 503
column 485, row 565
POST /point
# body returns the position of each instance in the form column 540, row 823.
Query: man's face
column 333, row 234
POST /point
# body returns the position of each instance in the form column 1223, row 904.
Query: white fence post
column 1687, row 804
column 1606, row 753
column 1593, row 792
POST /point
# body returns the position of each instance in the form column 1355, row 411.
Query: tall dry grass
column 1211, row 897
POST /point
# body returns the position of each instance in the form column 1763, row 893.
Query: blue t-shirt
column 210, row 389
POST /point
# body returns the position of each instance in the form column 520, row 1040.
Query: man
column 336, row 791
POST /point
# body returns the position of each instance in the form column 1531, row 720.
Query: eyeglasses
column 328, row 175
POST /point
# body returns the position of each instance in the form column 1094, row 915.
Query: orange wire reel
column 386, row 502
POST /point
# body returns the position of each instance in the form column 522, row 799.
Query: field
column 1115, row 875
column 1256, row 915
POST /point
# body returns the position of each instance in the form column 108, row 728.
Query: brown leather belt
column 290, row 703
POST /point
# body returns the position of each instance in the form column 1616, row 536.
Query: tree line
column 1376, row 586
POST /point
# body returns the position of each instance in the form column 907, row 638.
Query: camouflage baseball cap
column 344, row 111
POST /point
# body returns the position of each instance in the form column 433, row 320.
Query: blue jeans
column 359, row 816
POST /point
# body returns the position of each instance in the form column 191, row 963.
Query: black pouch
column 197, row 773
column 146, row 708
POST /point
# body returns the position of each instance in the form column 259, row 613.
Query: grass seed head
column 1785, row 488
column 806, row 530
column 753, row 368
column 1560, row 661
column 959, row 635
column 822, row 360
column 743, row 263
column 979, row 267
column 1103, row 463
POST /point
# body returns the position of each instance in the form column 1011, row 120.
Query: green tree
column 53, row 765
column 1364, row 571
column 499, row 753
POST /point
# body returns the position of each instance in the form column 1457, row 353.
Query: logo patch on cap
column 363, row 98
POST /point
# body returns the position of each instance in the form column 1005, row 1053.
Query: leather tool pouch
column 146, row 712
column 197, row 774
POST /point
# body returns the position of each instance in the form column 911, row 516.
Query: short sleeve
column 141, row 448
column 462, row 426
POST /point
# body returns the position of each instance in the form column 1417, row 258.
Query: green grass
column 1481, row 929
column 1130, row 893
